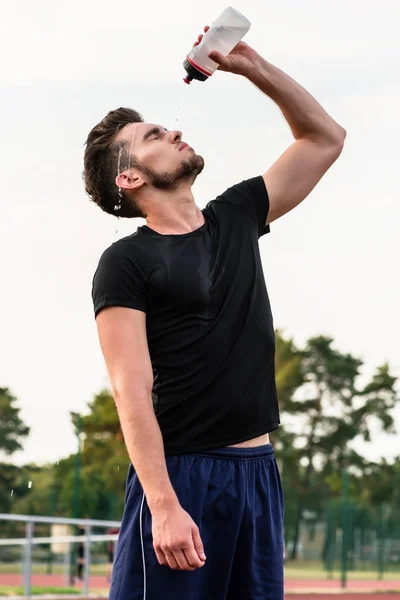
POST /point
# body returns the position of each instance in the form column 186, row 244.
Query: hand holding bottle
column 220, row 47
column 237, row 61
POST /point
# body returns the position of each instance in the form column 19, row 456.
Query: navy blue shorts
column 234, row 495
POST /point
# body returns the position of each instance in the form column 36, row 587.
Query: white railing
column 29, row 540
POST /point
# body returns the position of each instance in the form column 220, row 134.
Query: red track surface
column 329, row 584
column 342, row 596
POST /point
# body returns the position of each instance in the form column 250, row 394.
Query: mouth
column 183, row 146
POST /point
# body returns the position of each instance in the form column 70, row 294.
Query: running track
column 366, row 596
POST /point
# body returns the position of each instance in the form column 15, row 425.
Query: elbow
column 128, row 393
column 342, row 134
column 339, row 138
column 335, row 142
column 331, row 139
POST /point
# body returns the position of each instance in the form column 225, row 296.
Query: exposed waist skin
column 261, row 440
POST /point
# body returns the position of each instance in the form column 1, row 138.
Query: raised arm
column 319, row 139
column 123, row 340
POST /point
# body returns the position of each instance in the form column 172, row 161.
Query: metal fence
column 29, row 541
column 348, row 538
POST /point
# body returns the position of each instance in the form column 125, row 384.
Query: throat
column 176, row 226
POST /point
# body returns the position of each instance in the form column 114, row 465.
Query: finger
column 171, row 560
column 220, row 59
column 198, row 544
column 193, row 558
column 200, row 37
column 182, row 561
column 194, row 552
column 161, row 557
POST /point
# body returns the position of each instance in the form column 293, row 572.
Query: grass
column 36, row 591
column 307, row 570
column 41, row 569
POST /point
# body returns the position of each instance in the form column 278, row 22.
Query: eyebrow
column 153, row 131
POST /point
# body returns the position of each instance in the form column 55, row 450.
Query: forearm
column 304, row 114
column 145, row 447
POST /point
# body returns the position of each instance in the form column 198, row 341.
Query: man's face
column 165, row 158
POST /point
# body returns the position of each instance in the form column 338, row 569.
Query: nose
column 176, row 136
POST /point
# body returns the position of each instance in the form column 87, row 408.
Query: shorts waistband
column 239, row 453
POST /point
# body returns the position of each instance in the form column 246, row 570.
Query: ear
column 129, row 180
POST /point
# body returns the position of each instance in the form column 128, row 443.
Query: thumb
column 198, row 544
column 220, row 59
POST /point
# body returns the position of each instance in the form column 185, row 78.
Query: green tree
column 12, row 428
column 381, row 483
column 33, row 490
column 12, row 432
column 288, row 370
column 104, row 442
column 103, row 464
column 331, row 412
column 289, row 378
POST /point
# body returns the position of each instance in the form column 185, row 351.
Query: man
column 186, row 330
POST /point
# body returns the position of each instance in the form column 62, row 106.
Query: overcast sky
column 331, row 266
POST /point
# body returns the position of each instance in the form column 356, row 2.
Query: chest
column 194, row 275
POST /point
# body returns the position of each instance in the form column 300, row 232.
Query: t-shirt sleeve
column 252, row 196
column 118, row 281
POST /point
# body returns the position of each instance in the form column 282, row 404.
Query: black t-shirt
column 208, row 319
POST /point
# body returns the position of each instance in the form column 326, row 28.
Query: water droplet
column 180, row 105
column 30, row 484
column 119, row 160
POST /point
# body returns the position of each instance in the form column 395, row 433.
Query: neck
column 173, row 212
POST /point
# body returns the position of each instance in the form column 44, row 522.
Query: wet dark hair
column 103, row 155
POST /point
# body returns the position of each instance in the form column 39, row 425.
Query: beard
column 187, row 171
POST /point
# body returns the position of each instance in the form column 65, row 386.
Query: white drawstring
column 143, row 558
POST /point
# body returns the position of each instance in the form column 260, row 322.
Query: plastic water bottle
column 223, row 35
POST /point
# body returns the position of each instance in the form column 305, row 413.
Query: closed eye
column 154, row 132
